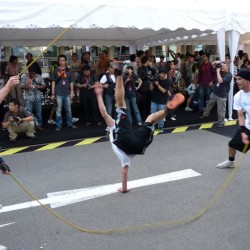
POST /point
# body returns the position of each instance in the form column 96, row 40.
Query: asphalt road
column 226, row 225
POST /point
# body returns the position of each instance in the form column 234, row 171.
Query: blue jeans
column 36, row 108
column 109, row 103
column 63, row 101
column 156, row 107
column 131, row 103
column 203, row 93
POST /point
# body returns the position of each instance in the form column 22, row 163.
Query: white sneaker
column 226, row 164
column 172, row 118
column 74, row 119
column 51, row 122
column 188, row 109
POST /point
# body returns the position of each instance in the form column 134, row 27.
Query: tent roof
column 137, row 23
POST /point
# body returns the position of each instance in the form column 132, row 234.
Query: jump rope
column 129, row 228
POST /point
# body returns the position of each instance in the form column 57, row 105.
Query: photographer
column 33, row 83
column 221, row 87
column 18, row 120
column 145, row 73
column 130, row 85
column 160, row 88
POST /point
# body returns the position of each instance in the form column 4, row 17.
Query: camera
column 16, row 119
column 154, row 77
column 126, row 73
column 218, row 65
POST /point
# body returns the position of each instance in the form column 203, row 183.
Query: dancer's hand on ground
column 98, row 89
column 5, row 168
column 123, row 191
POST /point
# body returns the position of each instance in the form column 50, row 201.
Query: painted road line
column 63, row 198
column 88, row 141
column 4, row 225
column 51, row 146
column 12, row 151
column 180, row 129
column 229, row 123
column 206, row 125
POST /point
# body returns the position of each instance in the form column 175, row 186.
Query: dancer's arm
column 99, row 95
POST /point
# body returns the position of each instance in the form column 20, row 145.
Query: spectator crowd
column 148, row 85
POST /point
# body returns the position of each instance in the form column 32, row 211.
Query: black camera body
column 218, row 65
column 155, row 77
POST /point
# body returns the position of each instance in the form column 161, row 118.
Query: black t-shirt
column 62, row 87
column 157, row 95
column 90, row 80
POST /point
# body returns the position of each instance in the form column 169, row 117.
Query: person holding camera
column 86, row 83
column 18, row 120
column 130, row 80
column 33, row 83
column 220, row 91
column 160, row 88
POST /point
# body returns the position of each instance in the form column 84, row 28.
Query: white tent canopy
column 129, row 23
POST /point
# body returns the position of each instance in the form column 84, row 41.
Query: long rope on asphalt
column 131, row 228
column 144, row 226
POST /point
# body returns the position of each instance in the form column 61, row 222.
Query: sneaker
column 203, row 117
column 51, row 122
column 226, row 164
column 73, row 126
column 139, row 124
column 13, row 139
column 3, row 247
column 188, row 109
column 74, row 119
column 107, row 129
column 220, row 125
column 177, row 100
column 172, row 118
column 160, row 130
column 33, row 137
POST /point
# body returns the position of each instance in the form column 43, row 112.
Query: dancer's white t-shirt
column 123, row 157
column 242, row 102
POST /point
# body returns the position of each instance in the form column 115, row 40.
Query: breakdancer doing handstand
column 127, row 141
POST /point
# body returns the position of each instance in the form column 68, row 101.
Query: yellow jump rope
column 130, row 228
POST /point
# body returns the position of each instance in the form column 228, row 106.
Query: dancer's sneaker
column 176, row 101
column 226, row 164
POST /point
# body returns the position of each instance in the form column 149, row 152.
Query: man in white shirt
column 126, row 142
column 240, row 140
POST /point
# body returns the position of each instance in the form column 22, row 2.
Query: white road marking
column 63, row 198
column 4, row 225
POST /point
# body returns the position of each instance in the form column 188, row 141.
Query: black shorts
column 129, row 140
column 236, row 141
